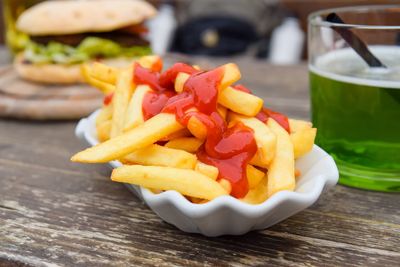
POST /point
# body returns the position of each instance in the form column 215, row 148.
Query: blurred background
column 271, row 30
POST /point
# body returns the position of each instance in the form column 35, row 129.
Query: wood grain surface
column 27, row 100
column 57, row 213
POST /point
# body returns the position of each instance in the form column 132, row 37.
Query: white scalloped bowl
column 226, row 215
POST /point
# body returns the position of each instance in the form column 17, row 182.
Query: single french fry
column 187, row 182
column 189, row 144
column 105, row 114
column 281, row 170
column 103, row 72
column 258, row 194
column 103, row 130
column 196, row 200
column 155, row 191
column 144, row 135
column 122, row 95
column 231, row 75
column 180, row 80
column 162, row 156
column 222, row 111
column 197, row 67
column 197, row 128
column 303, row 141
column 258, row 161
column 207, row 170
column 178, row 134
column 104, row 87
column 240, row 102
column 298, row 125
column 149, row 61
column 254, row 176
column 226, row 185
column 134, row 112
column 265, row 138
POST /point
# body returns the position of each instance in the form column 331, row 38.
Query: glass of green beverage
column 356, row 102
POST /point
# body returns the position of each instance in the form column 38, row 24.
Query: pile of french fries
column 160, row 153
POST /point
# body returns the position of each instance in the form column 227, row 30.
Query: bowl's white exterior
column 226, row 215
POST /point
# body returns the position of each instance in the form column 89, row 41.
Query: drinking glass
column 356, row 107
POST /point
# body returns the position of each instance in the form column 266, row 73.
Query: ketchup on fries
column 193, row 131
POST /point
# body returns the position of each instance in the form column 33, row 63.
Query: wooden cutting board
column 26, row 100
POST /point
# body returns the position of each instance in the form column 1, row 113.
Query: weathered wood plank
column 102, row 229
column 97, row 205
column 22, row 99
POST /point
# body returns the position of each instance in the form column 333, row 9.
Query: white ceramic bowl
column 226, row 215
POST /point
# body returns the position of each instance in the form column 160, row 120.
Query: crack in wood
column 7, row 207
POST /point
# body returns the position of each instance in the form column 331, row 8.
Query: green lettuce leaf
column 89, row 48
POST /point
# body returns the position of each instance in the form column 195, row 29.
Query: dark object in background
column 216, row 36
column 241, row 26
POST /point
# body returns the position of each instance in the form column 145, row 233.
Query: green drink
column 357, row 112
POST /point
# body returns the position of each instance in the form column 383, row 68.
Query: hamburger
column 65, row 34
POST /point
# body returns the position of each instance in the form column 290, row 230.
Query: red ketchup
column 148, row 77
column 154, row 102
column 167, row 78
column 228, row 149
column 283, row 121
column 230, row 152
column 265, row 113
column 108, row 98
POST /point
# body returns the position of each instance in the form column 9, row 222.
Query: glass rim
column 312, row 18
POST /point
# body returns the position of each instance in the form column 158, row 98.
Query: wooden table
column 55, row 212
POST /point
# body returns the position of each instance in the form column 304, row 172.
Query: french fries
column 103, row 130
column 166, row 151
column 231, row 75
column 105, row 114
column 265, row 138
column 122, row 94
column 298, row 125
column 144, row 135
column 188, row 182
column 152, row 62
column 103, row 72
column 240, row 102
column 175, row 135
column 257, row 194
column 189, row 144
column 134, row 112
column 281, row 170
column 254, row 176
column 303, row 141
column 161, row 156
column 197, row 128
column 180, row 81
column 207, row 170
column 95, row 80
